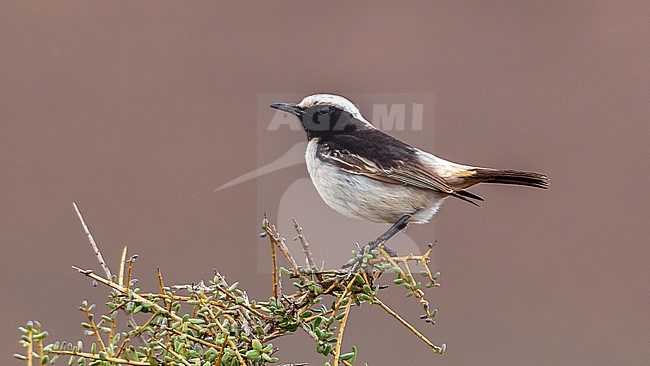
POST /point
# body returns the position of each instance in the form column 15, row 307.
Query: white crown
column 335, row 100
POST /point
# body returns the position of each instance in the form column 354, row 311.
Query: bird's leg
column 383, row 238
column 396, row 228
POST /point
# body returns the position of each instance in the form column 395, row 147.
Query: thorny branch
column 214, row 323
column 305, row 246
column 93, row 244
column 100, row 258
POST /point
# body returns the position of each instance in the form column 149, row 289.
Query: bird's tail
column 509, row 176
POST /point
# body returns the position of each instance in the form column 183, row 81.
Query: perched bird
column 364, row 173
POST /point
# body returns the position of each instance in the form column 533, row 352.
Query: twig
column 41, row 352
column 122, row 289
column 136, row 334
column 274, row 236
column 222, row 349
column 194, row 339
column 305, row 246
column 274, row 260
column 120, row 277
column 93, row 326
column 340, row 300
column 168, row 349
column 107, row 271
column 93, row 244
column 339, row 337
column 92, row 356
column 129, row 269
column 411, row 257
column 437, row 349
column 161, row 285
column 30, row 349
column 224, row 331
column 231, row 343
column 234, row 298
column 111, row 334
column 419, row 294
column 278, row 240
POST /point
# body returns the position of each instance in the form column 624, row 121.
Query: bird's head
column 325, row 115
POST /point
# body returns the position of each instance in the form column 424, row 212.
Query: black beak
column 289, row 108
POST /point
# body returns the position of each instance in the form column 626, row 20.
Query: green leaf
column 253, row 355
column 318, row 321
column 257, row 345
column 328, row 349
column 268, row 358
column 40, row 335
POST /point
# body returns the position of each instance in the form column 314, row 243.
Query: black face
column 324, row 120
column 321, row 120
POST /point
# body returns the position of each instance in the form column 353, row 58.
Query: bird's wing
column 400, row 172
column 392, row 171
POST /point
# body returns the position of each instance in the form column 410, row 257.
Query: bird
column 366, row 174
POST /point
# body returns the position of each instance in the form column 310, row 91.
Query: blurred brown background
column 138, row 110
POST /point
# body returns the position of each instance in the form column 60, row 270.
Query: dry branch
column 214, row 323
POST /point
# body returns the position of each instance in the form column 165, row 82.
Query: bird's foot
column 391, row 252
column 364, row 255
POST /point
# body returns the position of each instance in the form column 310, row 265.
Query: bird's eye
column 325, row 109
